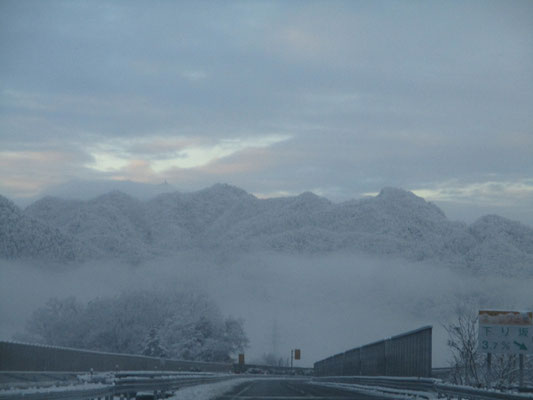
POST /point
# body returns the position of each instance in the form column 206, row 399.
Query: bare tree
column 462, row 340
column 469, row 366
column 504, row 371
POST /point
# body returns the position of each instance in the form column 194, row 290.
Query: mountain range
column 225, row 219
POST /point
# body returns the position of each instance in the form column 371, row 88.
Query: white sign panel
column 506, row 332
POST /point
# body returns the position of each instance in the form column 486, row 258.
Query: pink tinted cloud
column 243, row 162
column 25, row 173
column 137, row 170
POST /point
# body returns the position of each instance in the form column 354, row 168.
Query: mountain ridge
column 25, row 237
column 226, row 218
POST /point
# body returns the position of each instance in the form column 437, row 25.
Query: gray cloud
column 370, row 94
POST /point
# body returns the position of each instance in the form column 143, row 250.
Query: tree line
column 170, row 324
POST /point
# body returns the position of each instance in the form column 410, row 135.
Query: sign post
column 521, row 361
column 295, row 355
column 241, row 362
column 506, row 332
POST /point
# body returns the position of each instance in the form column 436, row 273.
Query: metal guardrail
column 470, row 393
column 415, row 384
column 125, row 384
column 128, row 384
column 80, row 394
column 28, row 379
column 426, row 385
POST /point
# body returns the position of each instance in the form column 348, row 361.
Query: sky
column 341, row 98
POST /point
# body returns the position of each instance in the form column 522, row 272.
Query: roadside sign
column 241, row 359
column 505, row 332
column 297, row 354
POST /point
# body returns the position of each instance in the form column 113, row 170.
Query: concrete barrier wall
column 408, row 354
column 30, row 357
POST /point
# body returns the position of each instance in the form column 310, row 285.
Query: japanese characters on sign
column 505, row 332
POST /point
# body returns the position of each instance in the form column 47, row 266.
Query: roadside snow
column 53, row 389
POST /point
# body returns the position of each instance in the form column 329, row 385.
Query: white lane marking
column 238, row 395
column 280, row 397
column 290, row 387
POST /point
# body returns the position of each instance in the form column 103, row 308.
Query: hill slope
column 25, row 237
column 224, row 218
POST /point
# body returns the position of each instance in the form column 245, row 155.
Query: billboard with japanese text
column 506, row 332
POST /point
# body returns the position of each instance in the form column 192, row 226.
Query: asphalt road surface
column 289, row 389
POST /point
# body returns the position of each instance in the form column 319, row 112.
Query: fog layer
column 322, row 304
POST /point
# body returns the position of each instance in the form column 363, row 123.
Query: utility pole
column 275, row 338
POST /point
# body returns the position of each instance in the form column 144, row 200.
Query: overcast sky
column 338, row 98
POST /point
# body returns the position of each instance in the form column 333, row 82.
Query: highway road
column 290, row 389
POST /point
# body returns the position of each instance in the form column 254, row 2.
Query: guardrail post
column 521, row 365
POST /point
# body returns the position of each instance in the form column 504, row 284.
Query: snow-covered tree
column 152, row 345
column 234, row 336
column 171, row 324
column 58, row 322
column 274, row 360
column 202, row 333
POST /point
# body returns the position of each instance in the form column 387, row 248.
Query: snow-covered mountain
column 24, row 237
column 224, row 218
column 111, row 225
